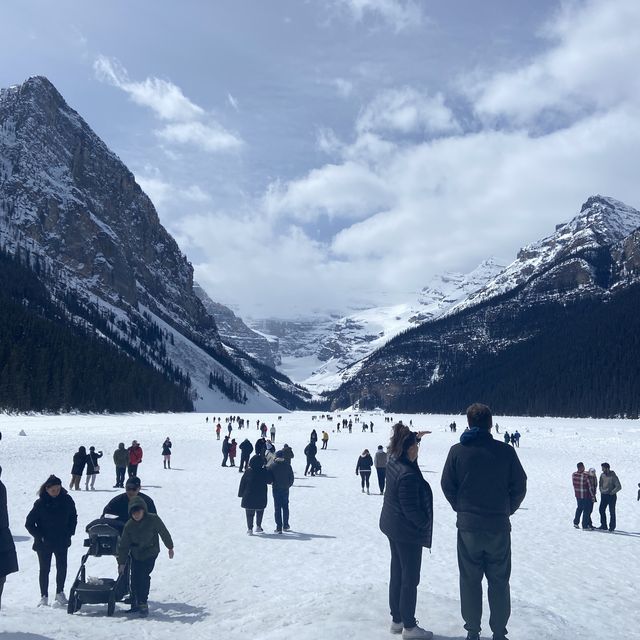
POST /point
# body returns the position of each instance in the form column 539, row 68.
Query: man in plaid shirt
column 585, row 497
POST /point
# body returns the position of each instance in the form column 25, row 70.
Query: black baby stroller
column 316, row 467
column 104, row 534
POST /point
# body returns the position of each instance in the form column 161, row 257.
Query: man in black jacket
column 485, row 483
column 119, row 506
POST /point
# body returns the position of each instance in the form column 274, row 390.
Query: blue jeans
column 584, row 509
column 281, row 506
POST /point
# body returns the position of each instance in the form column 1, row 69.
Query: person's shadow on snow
column 295, row 535
column 176, row 612
column 19, row 635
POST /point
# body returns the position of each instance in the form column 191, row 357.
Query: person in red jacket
column 233, row 448
column 135, row 458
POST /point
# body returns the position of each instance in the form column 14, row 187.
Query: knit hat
column 52, row 481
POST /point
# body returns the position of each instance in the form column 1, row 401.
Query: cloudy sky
column 317, row 154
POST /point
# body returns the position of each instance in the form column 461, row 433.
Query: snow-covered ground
column 328, row 577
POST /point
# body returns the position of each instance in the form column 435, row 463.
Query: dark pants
column 364, row 478
column 382, row 474
column 584, row 508
column 2, row 581
column 310, row 465
column 404, row 579
column 281, row 506
column 132, row 470
column 607, row 500
column 225, row 456
column 258, row 513
column 324, row 444
column 244, row 462
column 120, row 471
column 44, row 558
column 141, row 579
column 485, row 553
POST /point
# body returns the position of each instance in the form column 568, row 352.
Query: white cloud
column 407, row 110
column 163, row 192
column 188, row 122
column 232, row 101
column 592, row 64
column 211, row 137
column 344, row 87
column 399, row 14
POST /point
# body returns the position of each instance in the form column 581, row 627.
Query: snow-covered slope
column 74, row 212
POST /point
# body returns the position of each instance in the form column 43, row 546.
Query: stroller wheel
column 111, row 605
column 74, row 602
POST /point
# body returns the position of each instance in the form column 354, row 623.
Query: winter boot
column 144, row 610
column 416, row 633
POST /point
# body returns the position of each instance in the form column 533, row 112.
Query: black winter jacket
column 52, row 521
column 253, row 485
column 246, row 448
column 407, row 510
column 364, row 463
column 92, row 463
column 483, row 481
column 8, row 557
column 119, row 506
column 79, row 461
column 282, row 473
column 311, row 450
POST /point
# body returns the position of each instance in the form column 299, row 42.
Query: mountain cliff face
column 554, row 318
column 75, row 213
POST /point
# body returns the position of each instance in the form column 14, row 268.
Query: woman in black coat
column 363, row 467
column 52, row 522
column 253, row 491
column 8, row 557
column 93, row 468
column 407, row 521
column 79, row 461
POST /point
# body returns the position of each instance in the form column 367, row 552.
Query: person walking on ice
column 380, row 463
column 140, row 538
column 272, row 432
column 166, row 453
column 363, row 467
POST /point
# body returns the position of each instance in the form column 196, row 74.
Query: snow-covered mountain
column 318, row 352
column 77, row 216
column 556, row 331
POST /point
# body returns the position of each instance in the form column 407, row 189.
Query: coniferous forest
column 580, row 361
column 48, row 363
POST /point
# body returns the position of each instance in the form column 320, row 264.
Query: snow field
column 328, row 577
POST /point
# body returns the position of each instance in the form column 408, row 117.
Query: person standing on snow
column 325, row 439
column 120, row 460
column 52, row 523
column 8, row 557
column 253, row 491
column 233, row 449
column 380, row 463
column 363, row 467
column 93, row 468
column 166, row 453
column 282, row 475
column 585, row 497
column 272, row 432
column 135, row 458
column 246, row 449
column 310, row 451
column 218, row 429
column 225, row 450
column 609, row 487
column 407, row 521
column 77, row 467
column 485, row 484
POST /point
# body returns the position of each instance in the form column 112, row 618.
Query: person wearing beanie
column 407, row 521
column 140, row 539
column 52, row 523
column 484, row 483
column 119, row 506
column 380, row 463
column 363, row 467
column 8, row 557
